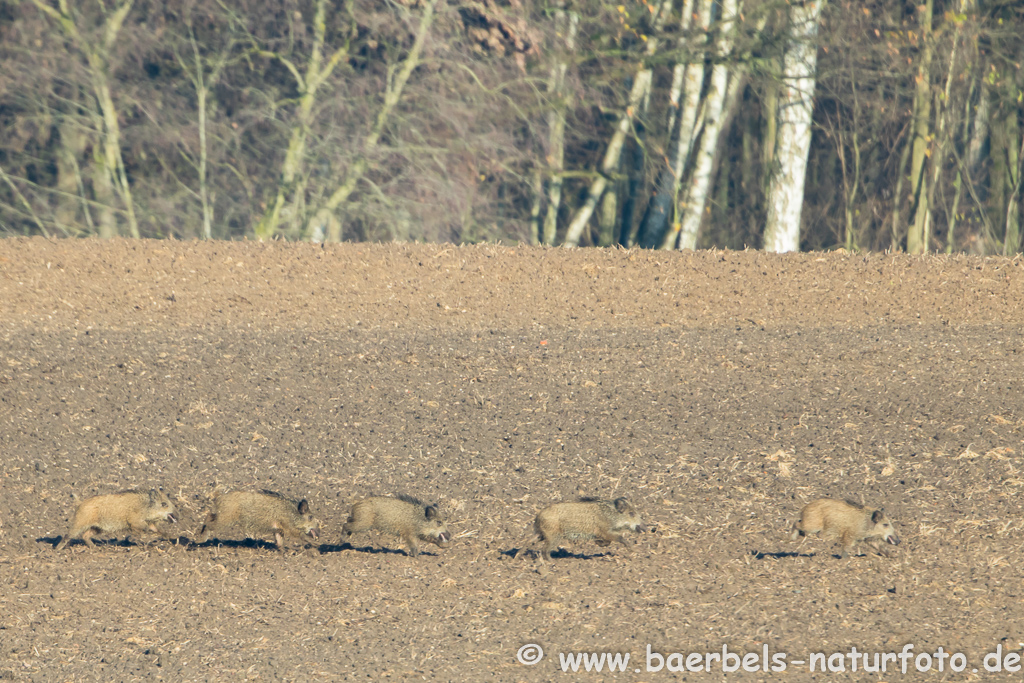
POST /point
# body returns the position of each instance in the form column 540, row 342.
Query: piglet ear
column 153, row 496
column 431, row 512
column 621, row 504
column 303, row 507
column 877, row 515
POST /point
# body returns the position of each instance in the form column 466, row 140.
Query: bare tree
column 309, row 77
column 700, row 182
column 203, row 73
column 684, row 98
column 392, row 95
column 793, row 141
column 917, row 235
column 566, row 27
column 97, row 53
column 425, row 120
column 639, row 90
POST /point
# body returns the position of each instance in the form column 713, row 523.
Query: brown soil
column 718, row 391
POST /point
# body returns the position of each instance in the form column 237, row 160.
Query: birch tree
column 1014, row 169
column 566, row 27
column 461, row 121
column 684, row 97
column 943, row 133
column 793, row 138
column 917, row 232
column 700, row 182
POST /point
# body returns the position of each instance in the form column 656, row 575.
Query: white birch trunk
column 679, row 70
column 692, row 81
column 691, row 78
column 714, row 115
column 793, row 141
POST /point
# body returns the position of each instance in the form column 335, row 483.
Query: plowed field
column 718, row 391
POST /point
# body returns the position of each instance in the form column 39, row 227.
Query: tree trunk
column 204, row 190
column 1014, row 156
column 679, row 70
column 537, row 185
column 202, row 86
column 69, row 177
column 611, row 159
column 635, row 174
column 943, row 137
column 850, row 239
column 917, row 232
column 953, row 215
column 686, row 87
column 793, row 139
column 977, row 149
column 714, row 115
column 97, row 58
column 333, row 229
column 565, row 25
column 771, row 122
column 606, row 218
column 103, row 191
column 896, row 239
column 113, row 160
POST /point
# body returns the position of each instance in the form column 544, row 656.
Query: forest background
column 769, row 124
